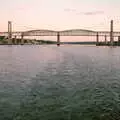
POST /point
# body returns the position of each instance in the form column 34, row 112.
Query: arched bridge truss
column 72, row 32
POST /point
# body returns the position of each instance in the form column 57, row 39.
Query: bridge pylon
column 111, row 33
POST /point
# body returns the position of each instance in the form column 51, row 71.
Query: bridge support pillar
column 22, row 39
column 15, row 39
column 58, row 39
column 111, row 34
column 97, row 39
column 118, row 38
column 105, row 39
column 9, row 32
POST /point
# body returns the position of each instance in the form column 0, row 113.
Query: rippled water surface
column 70, row 82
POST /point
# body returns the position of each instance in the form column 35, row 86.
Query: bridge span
column 73, row 32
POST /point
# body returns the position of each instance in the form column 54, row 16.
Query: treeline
column 2, row 38
column 47, row 41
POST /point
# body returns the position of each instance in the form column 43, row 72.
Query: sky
column 59, row 14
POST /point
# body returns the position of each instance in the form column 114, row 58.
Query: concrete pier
column 118, row 38
column 105, row 39
column 15, row 39
column 97, row 39
column 22, row 39
column 58, row 39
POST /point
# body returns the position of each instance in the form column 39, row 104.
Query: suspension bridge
column 12, row 35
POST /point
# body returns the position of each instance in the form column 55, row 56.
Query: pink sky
column 59, row 14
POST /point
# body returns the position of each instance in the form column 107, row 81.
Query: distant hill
column 54, row 42
column 86, row 43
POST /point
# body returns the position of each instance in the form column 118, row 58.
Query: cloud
column 92, row 13
column 84, row 13
column 70, row 10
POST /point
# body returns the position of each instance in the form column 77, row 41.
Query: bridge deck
column 76, row 32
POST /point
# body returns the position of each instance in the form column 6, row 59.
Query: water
column 70, row 82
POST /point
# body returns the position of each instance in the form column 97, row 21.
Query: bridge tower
column 111, row 33
column 9, row 32
column 58, row 39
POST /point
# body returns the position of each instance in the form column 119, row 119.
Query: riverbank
column 115, row 43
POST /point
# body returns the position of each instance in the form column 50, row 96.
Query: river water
column 70, row 82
